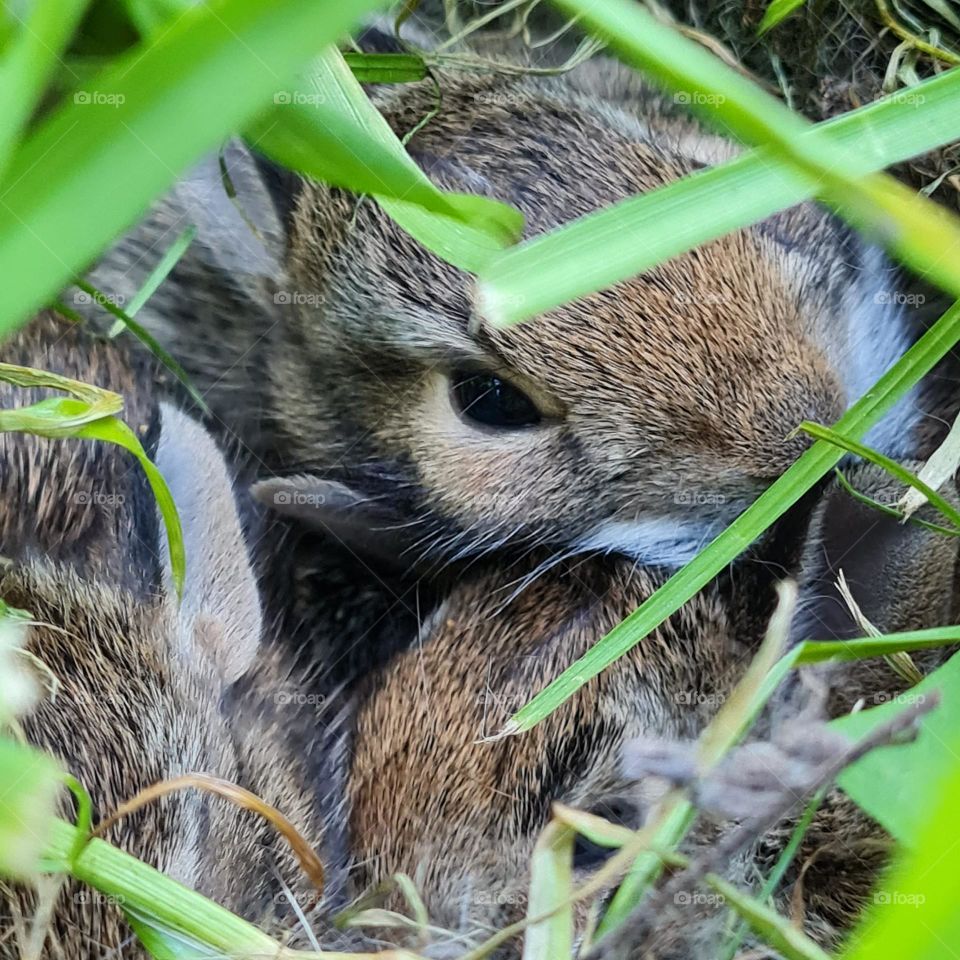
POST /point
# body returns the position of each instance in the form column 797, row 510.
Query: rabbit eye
column 492, row 401
column 586, row 853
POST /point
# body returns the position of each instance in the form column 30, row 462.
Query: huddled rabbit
column 141, row 687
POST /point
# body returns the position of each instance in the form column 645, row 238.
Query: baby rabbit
column 638, row 420
column 147, row 688
column 429, row 798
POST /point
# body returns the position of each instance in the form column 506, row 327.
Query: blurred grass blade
column 551, row 884
column 914, row 911
column 773, row 929
column 916, row 230
column 776, row 875
column 96, row 402
column 145, row 337
column 327, row 127
column 608, row 246
column 157, row 275
column 28, row 60
column 835, row 437
column 898, row 790
column 597, row 830
column 893, row 511
column 772, row 503
column 839, row 651
column 739, row 709
column 386, row 67
column 940, row 468
column 91, row 169
column 27, row 805
column 777, row 12
column 164, row 945
column 113, row 430
column 724, row 731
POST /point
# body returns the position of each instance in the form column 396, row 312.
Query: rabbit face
column 640, row 419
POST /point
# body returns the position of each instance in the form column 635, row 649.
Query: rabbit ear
column 363, row 523
column 901, row 575
column 219, row 613
column 239, row 205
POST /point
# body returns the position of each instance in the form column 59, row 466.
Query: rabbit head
column 640, row 419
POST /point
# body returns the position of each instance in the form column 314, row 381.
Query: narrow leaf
column 551, row 884
column 28, row 61
column 918, row 231
column 891, row 466
column 386, row 67
column 326, row 126
column 778, row 11
column 773, row 929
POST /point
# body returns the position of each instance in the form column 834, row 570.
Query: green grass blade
column 611, row 245
column 724, row 731
column 28, row 61
column 27, row 805
column 551, row 886
column 145, row 337
column 891, row 511
column 918, row 231
column 96, row 401
column 88, row 414
column 898, row 788
column 780, row 868
column 772, row 928
column 157, row 275
column 914, row 912
column 773, row 503
column 386, row 67
column 835, row 437
column 777, row 12
column 116, row 431
column 91, row 169
column 326, row 126
column 841, row 651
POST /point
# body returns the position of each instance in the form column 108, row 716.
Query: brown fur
column 461, row 816
column 144, row 683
